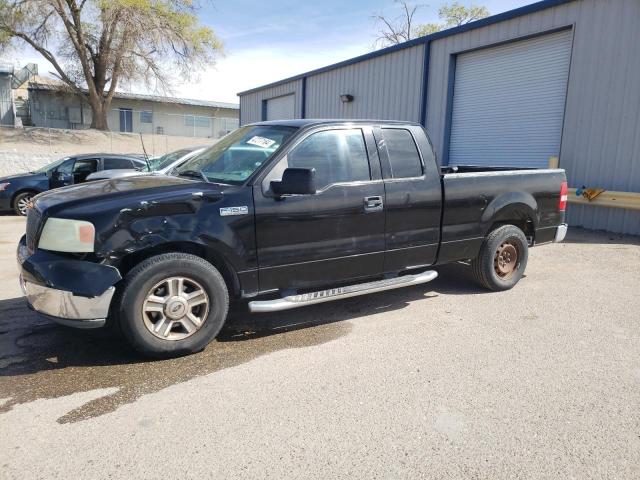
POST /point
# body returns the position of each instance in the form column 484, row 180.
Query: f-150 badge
column 226, row 211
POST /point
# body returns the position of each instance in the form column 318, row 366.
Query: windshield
column 166, row 160
column 236, row 156
column 50, row 166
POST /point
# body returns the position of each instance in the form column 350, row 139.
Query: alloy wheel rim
column 175, row 308
column 23, row 205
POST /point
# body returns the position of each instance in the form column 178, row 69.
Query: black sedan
column 16, row 191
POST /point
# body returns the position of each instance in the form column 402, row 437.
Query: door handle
column 373, row 204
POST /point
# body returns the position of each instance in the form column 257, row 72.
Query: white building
column 53, row 105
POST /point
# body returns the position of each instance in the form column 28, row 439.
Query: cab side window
column 404, row 158
column 337, row 155
column 83, row 168
column 115, row 163
column 65, row 168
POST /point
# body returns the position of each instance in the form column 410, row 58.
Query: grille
column 33, row 226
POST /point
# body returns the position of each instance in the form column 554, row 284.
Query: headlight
column 62, row 235
column 3, row 186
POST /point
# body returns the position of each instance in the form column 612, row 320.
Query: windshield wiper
column 195, row 174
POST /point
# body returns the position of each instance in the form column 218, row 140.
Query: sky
column 265, row 41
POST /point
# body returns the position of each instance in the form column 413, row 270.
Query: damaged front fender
column 80, row 277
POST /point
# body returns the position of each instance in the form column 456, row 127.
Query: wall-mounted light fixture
column 345, row 98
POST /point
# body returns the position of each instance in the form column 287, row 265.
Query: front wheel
column 172, row 304
column 502, row 258
column 22, row 201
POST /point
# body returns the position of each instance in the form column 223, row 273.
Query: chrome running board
column 304, row 299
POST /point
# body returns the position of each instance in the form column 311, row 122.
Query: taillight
column 562, row 204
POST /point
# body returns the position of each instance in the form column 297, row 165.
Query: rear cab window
column 402, row 151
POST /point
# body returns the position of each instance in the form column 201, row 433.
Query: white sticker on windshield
column 261, row 142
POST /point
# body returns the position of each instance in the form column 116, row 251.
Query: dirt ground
column 442, row 380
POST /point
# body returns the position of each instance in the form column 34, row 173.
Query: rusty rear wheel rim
column 506, row 262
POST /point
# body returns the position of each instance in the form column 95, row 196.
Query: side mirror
column 295, row 181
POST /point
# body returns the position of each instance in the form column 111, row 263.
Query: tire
column 495, row 267
column 20, row 202
column 151, row 302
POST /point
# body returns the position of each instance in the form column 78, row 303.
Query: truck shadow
column 41, row 360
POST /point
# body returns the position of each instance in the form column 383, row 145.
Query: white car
column 163, row 165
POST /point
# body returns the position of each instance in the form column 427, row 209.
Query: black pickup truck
column 281, row 214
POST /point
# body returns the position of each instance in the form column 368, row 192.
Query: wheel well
column 526, row 225
column 212, row 256
column 24, row 190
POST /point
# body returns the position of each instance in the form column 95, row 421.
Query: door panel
column 334, row 235
column 306, row 240
column 63, row 175
column 413, row 203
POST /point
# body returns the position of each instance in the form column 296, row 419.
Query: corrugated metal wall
column 251, row 104
column 601, row 135
column 387, row 87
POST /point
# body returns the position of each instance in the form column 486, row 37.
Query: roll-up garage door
column 508, row 102
column 281, row 108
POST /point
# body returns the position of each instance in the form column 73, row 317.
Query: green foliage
column 457, row 14
column 452, row 15
column 428, row 29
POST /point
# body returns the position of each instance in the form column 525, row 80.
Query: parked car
column 282, row 214
column 156, row 166
column 16, row 191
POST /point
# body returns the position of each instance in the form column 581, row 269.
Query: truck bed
column 476, row 198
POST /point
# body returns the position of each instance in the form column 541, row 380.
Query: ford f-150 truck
column 281, row 214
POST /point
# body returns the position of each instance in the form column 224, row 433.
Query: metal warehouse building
column 554, row 78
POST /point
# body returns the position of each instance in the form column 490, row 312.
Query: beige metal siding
column 251, row 104
column 601, row 134
column 386, row 87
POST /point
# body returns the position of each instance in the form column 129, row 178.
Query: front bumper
column 561, row 232
column 65, row 307
column 72, row 292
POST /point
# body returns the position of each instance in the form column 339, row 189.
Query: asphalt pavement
column 442, row 380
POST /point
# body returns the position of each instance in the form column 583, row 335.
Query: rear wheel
column 21, row 202
column 502, row 258
column 172, row 304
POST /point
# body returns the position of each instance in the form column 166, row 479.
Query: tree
column 403, row 28
column 95, row 45
column 396, row 30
